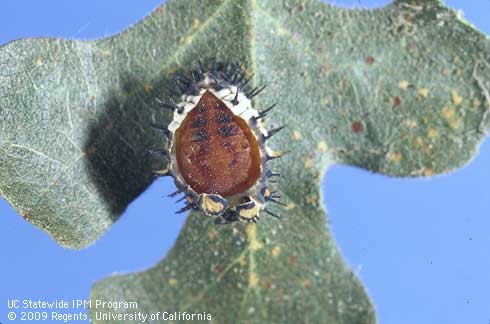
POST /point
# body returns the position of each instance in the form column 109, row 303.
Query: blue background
column 421, row 246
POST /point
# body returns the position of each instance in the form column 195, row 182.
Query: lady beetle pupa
column 217, row 146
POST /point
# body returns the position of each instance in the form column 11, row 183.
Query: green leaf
column 401, row 90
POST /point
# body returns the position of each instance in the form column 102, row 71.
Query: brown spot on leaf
column 217, row 269
column 357, row 127
column 293, row 259
column 396, row 101
column 369, row 60
column 212, row 234
column 307, row 283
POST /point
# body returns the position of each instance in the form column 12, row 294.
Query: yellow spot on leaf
column 424, row 92
column 252, row 238
column 242, row 260
column 255, row 245
column 394, row 157
column 325, row 101
column 307, row 283
column 290, row 206
column 39, row 62
column 281, row 31
column 148, row 88
column 276, row 250
column 322, row 146
column 448, row 113
column 250, row 230
column 311, row 199
column 418, row 141
column 106, row 52
column 475, row 103
column 308, row 163
column 185, row 40
column 296, row 135
column 212, row 234
column 457, row 99
column 254, row 279
column 428, row 172
column 456, row 123
column 410, row 123
column 433, row 133
column 172, row 282
column 403, row 84
column 196, row 23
